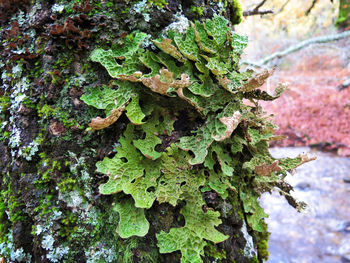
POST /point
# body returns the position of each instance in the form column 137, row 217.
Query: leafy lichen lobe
column 226, row 152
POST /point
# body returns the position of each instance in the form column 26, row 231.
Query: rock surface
column 321, row 233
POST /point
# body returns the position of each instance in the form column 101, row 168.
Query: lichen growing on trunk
column 173, row 162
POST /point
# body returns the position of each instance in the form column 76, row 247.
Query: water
column 322, row 232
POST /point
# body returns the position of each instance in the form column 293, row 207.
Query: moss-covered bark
column 51, row 209
column 343, row 20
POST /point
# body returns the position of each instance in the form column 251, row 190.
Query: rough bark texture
column 50, row 209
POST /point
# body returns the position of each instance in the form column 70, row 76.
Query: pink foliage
column 313, row 111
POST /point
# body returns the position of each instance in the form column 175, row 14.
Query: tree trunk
column 51, row 209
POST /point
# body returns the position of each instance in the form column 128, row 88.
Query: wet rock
column 345, row 260
column 322, row 232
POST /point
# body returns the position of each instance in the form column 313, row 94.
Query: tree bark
column 50, row 207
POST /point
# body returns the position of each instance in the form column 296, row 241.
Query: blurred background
column 313, row 41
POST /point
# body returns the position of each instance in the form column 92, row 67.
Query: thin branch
column 261, row 4
column 253, row 64
column 310, row 8
column 299, row 46
column 282, row 7
column 256, row 10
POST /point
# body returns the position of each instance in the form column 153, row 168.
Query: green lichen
column 132, row 221
column 222, row 148
column 255, row 213
column 199, row 226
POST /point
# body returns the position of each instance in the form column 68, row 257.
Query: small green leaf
column 237, row 144
column 239, row 43
column 202, row 39
column 131, row 45
column 255, row 213
column 197, row 144
column 225, row 161
column 121, row 172
column 101, row 98
column 166, row 46
column 134, row 111
column 233, row 81
column 148, row 59
column 257, row 136
column 217, row 66
column 188, row 47
column 205, row 88
column 218, row 29
column 184, row 240
column 152, row 129
column 216, row 184
column 132, row 220
column 176, row 172
column 106, row 58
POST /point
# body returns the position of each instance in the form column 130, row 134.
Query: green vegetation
column 344, row 13
column 184, row 156
column 223, row 146
column 238, row 11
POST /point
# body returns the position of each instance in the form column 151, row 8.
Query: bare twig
column 261, row 4
column 314, row 2
column 299, row 46
column 254, row 64
column 310, row 8
column 256, row 10
column 282, row 7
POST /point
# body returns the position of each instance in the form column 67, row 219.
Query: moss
column 67, row 184
column 214, row 253
column 254, row 260
column 14, row 203
column 344, row 14
column 158, row 3
column 4, row 223
column 197, row 10
column 46, row 206
column 4, row 105
column 237, row 12
column 262, row 239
